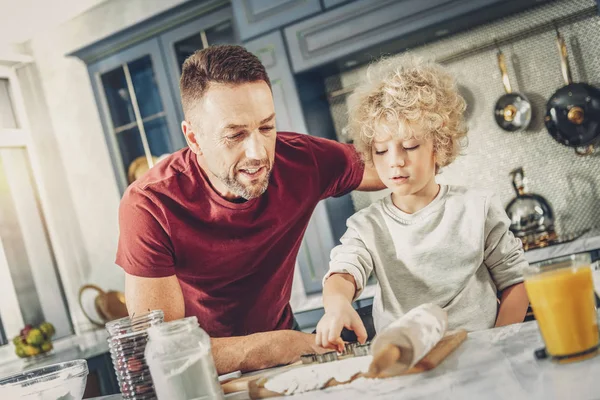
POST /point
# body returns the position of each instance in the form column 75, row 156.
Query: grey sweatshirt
column 456, row 252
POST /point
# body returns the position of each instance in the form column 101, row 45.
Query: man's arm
column 513, row 305
column 370, row 181
column 147, row 294
column 246, row 353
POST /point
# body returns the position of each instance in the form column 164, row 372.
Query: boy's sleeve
column 351, row 257
column 503, row 254
column 339, row 166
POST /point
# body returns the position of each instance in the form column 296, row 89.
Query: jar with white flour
column 180, row 360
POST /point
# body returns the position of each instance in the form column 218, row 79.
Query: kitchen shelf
column 500, row 41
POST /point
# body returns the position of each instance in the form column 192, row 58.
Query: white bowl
column 64, row 381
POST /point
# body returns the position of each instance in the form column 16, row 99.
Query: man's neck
column 217, row 185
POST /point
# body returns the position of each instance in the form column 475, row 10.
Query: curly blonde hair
column 408, row 97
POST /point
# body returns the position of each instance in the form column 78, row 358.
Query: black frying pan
column 512, row 110
column 573, row 111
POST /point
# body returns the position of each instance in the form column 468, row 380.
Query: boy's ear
column 435, row 161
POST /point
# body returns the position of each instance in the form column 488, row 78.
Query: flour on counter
column 505, row 332
column 314, row 377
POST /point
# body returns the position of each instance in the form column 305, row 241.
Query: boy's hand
column 340, row 314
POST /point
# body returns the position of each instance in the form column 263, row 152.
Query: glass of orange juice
column 561, row 293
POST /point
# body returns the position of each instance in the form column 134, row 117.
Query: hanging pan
column 573, row 111
column 512, row 110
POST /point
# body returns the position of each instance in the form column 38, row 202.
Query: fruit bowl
column 33, row 342
column 64, row 381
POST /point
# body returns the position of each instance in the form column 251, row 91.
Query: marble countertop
column 589, row 242
column 85, row 346
column 491, row 364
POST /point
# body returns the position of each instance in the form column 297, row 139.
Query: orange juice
column 564, row 306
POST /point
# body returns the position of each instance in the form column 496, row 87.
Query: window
column 137, row 116
column 31, row 288
column 220, row 34
column 8, row 119
column 137, row 91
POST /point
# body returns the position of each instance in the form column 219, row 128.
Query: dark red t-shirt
column 234, row 261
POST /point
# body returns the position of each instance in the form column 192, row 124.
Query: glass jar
column 181, row 363
column 127, row 342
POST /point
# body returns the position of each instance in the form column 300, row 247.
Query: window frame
column 54, row 304
column 148, row 48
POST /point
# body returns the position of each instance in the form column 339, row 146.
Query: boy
column 425, row 242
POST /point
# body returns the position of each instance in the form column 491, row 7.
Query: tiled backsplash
column 569, row 182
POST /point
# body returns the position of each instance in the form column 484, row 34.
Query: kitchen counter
column 588, row 242
column 86, row 346
column 491, row 364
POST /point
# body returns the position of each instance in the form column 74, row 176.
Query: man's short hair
column 225, row 64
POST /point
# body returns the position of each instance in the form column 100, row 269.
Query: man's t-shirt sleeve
column 145, row 247
column 339, row 166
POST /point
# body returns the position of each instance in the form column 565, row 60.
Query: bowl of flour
column 63, row 381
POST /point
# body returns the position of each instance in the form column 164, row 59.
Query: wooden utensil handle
column 564, row 59
column 384, row 359
column 504, row 72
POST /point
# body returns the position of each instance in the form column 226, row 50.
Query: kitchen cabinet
column 271, row 51
column 313, row 258
column 334, row 3
column 308, row 319
column 181, row 42
column 137, row 108
column 255, row 17
column 102, row 380
column 363, row 24
column 137, row 88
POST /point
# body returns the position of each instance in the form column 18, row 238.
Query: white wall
column 81, row 208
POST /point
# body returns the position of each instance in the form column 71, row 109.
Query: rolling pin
column 402, row 344
column 414, row 343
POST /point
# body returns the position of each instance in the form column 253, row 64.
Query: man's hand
column 339, row 314
column 245, row 353
column 262, row 350
column 370, row 181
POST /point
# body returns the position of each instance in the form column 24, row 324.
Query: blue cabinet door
column 334, row 3
column 254, row 17
column 363, row 24
column 137, row 109
column 271, row 51
column 313, row 258
column 179, row 43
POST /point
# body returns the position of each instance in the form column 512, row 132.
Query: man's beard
column 246, row 191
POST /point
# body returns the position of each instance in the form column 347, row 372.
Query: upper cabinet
column 254, row 17
column 137, row 88
column 334, row 3
column 181, row 42
column 363, row 24
column 271, row 51
column 138, row 114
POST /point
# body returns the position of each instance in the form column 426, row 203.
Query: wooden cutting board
column 255, row 384
column 241, row 384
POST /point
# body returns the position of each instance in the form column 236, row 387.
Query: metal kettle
column 531, row 216
column 109, row 305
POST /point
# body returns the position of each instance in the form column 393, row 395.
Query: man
column 214, row 229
